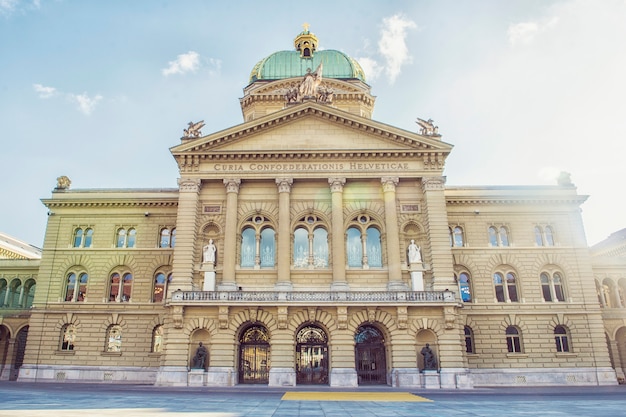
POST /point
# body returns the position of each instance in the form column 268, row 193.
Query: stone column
column 395, row 282
column 229, row 259
column 186, row 234
column 436, row 222
column 284, row 235
column 338, row 244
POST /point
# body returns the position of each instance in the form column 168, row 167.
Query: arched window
column 121, row 238
column 70, row 287
column 160, row 288
column 258, row 243
column 465, row 289
column 68, row 337
column 88, row 237
column 469, row 339
column 120, row 287
column 513, row 340
column 538, row 236
column 498, row 236
column 544, row 236
column 173, row 239
column 15, row 293
column 552, row 286
column 310, row 243
column 126, row 238
column 374, row 252
column 165, row 238
column 549, row 236
column 354, row 247
column 363, row 244
column 78, row 238
column 505, row 288
column 493, row 236
column 248, row 247
column 29, row 293
column 456, row 237
column 268, row 248
column 561, row 338
column 3, row 292
column 157, row 339
column 113, row 339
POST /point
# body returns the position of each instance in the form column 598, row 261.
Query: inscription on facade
column 339, row 166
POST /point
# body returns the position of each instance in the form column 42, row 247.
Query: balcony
column 312, row 297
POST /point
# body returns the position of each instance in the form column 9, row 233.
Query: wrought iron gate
column 370, row 356
column 311, row 356
column 254, row 356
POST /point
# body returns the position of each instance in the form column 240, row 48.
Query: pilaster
column 230, row 235
column 393, row 236
column 436, row 223
column 284, row 234
column 338, row 244
column 186, row 233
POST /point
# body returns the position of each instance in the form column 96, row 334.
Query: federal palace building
column 312, row 244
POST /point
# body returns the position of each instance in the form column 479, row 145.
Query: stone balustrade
column 281, row 297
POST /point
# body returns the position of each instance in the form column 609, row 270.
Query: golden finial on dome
column 306, row 42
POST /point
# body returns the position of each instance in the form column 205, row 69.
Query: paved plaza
column 69, row 400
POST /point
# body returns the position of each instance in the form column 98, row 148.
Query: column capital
column 232, row 185
column 389, row 183
column 433, row 183
column 336, row 184
column 189, row 185
column 284, row 184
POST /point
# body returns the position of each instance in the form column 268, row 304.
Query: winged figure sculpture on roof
column 193, row 131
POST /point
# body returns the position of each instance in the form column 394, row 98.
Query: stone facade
column 312, row 206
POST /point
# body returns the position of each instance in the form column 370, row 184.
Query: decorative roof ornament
column 63, row 183
column 427, row 127
column 305, row 42
column 193, row 131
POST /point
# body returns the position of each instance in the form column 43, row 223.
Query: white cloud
column 86, row 104
column 525, row 32
column 189, row 62
column 215, row 66
column 44, row 92
column 8, row 7
column 392, row 44
column 371, row 68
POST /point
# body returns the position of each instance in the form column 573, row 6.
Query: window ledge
column 65, row 352
column 111, row 353
column 566, row 355
column 512, row 355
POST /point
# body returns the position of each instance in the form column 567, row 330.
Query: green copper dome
column 288, row 64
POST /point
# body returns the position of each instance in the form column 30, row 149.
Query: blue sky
column 99, row 91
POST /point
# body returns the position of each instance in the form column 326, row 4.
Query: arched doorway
column 254, row 356
column 4, row 348
column 371, row 362
column 311, row 356
column 20, row 348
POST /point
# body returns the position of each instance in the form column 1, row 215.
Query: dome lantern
column 305, row 42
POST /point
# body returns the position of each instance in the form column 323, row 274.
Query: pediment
column 312, row 128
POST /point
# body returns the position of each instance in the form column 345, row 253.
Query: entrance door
column 371, row 363
column 254, row 356
column 311, row 356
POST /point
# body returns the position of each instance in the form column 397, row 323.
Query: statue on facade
column 414, row 253
column 325, row 95
column 308, row 86
column 208, row 252
column 63, row 183
column 193, row 131
column 199, row 360
column 427, row 127
column 429, row 358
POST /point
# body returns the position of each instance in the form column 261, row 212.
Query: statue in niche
column 414, row 253
column 208, row 252
column 430, row 362
column 199, row 360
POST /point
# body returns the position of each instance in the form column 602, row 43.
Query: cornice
column 515, row 200
column 50, row 203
